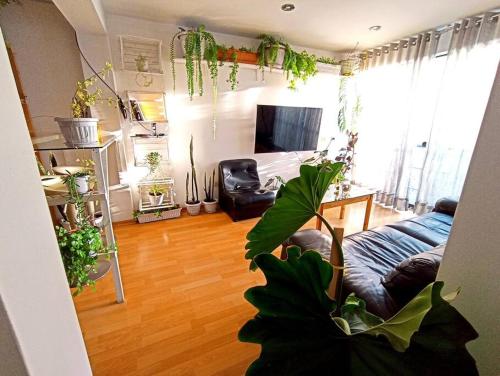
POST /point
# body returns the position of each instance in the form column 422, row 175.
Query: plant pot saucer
column 102, row 268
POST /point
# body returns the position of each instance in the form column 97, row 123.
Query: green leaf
column 299, row 334
column 296, row 203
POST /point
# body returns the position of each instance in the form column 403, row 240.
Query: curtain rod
column 440, row 29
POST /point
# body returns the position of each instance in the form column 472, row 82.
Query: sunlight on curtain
column 422, row 112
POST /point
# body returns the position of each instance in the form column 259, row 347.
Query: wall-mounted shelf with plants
column 140, row 55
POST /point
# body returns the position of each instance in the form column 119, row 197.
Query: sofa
column 240, row 193
column 388, row 265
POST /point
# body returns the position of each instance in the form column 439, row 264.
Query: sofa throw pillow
column 413, row 274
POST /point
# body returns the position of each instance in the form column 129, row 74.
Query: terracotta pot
column 241, row 56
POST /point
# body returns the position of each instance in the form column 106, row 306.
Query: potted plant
column 274, row 183
column 193, row 204
column 243, row 54
column 298, row 65
column 303, row 330
column 198, row 45
column 156, row 194
column 81, row 247
column 271, row 51
column 81, row 129
column 153, row 160
column 209, row 203
column 79, row 180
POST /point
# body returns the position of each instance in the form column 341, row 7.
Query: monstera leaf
column 296, row 203
column 299, row 335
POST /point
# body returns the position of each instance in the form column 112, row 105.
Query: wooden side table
column 356, row 194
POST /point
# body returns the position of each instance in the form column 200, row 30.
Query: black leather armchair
column 240, row 194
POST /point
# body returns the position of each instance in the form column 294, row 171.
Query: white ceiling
column 327, row 24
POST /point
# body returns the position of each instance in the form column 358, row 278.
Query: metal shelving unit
column 100, row 158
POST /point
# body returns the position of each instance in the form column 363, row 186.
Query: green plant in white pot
column 209, row 203
column 156, row 195
column 81, row 129
column 193, row 203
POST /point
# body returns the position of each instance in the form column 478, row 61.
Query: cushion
column 413, row 274
column 430, row 228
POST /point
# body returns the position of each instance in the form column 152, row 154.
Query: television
column 284, row 129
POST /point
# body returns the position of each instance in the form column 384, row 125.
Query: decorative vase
column 82, row 184
column 79, row 131
column 193, row 209
column 210, row 206
column 155, row 200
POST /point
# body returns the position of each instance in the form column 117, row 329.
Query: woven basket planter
column 153, row 217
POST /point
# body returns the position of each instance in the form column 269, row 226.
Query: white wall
column 472, row 257
column 33, row 287
column 236, row 111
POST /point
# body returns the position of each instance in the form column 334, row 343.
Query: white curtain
column 423, row 101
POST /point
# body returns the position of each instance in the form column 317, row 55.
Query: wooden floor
column 184, row 281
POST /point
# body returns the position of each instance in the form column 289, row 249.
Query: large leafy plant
column 84, row 97
column 303, row 331
column 298, row 66
column 80, row 248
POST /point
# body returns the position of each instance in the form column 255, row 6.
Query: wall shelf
column 134, row 48
column 322, row 68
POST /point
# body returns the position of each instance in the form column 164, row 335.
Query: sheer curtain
column 422, row 108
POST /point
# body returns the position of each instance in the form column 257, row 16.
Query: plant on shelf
column 233, row 74
column 81, row 129
column 156, row 194
column 268, row 50
column 296, row 65
column 243, row 55
column 327, row 60
column 303, row 330
column 199, row 45
column 210, row 203
column 301, row 65
column 153, row 160
column 80, row 180
column 193, row 204
column 80, row 248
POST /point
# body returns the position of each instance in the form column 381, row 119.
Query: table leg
column 318, row 221
column 369, row 203
column 342, row 212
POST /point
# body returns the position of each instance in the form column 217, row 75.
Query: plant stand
column 101, row 194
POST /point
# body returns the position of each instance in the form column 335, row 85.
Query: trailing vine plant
column 199, row 45
column 233, row 74
column 296, row 65
column 80, row 248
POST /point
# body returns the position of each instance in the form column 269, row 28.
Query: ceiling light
column 375, row 28
column 287, row 7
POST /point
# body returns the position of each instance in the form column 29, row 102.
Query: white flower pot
column 193, row 209
column 82, row 184
column 79, row 131
column 279, row 59
column 210, row 207
column 155, row 200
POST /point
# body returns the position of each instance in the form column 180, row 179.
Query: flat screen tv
column 283, row 128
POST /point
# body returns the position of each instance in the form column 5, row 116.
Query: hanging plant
column 300, row 65
column 233, row 74
column 268, row 50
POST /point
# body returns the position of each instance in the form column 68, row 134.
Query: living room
column 174, row 157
